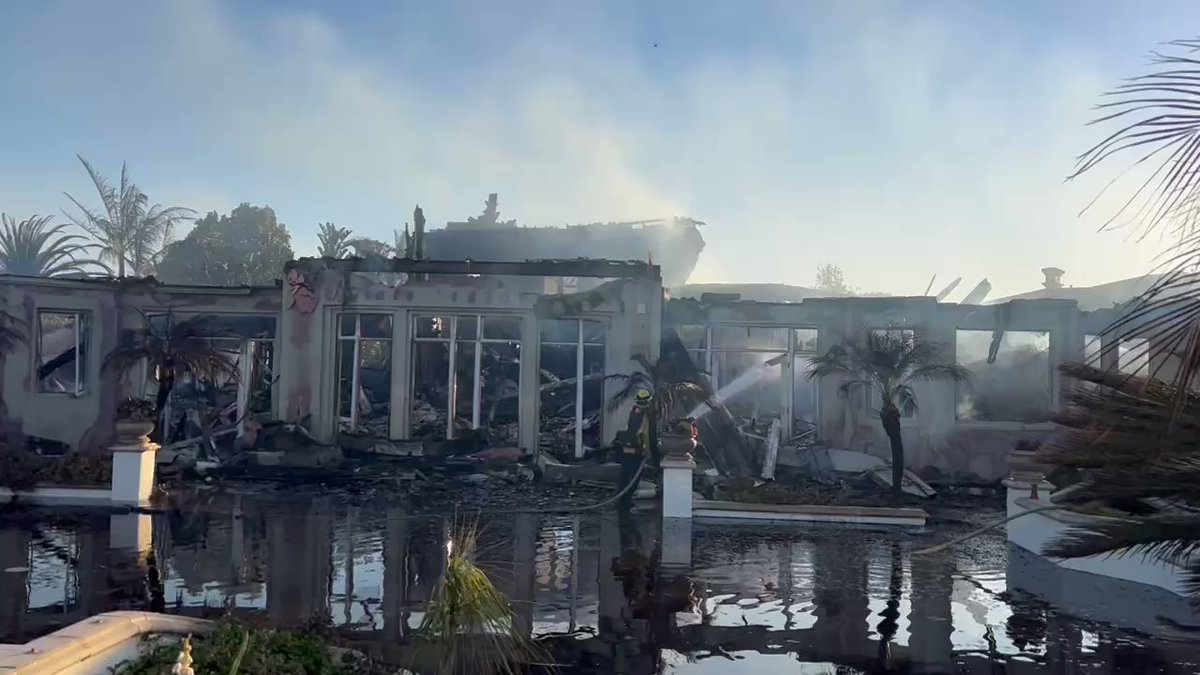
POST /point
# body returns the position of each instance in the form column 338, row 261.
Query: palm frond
column 37, row 247
column 1162, row 537
column 128, row 231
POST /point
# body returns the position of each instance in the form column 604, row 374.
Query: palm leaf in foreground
column 1156, row 120
column 469, row 626
column 1129, row 445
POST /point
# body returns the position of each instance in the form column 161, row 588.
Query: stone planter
column 130, row 432
column 1026, row 466
column 676, row 446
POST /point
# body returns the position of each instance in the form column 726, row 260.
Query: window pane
column 464, row 385
column 559, row 330
column 375, row 325
column 468, row 328
column 594, row 332
column 262, row 376
column 62, row 352
column 1015, row 387
column 804, row 400
column 751, row 386
column 593, row 395
column 692, row 336
column 346, row 324
column 805, row 339
column 430, row 398
column 1091, row 350
column 432, row 327
column 345, row 360
column 556, row 415
column 500, row 381
column 374, row 387
column 749, row 337
column 1133, row 357
column 502, row 328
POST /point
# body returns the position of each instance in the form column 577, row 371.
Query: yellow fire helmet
column 642, row 398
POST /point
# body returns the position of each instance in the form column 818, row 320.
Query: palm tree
column 38, row 248
column 470, row 626
column 333, row 241
column 1156, row 123
column 678, row 387
column 177, row 349
column 888, row 364
column 128, row 230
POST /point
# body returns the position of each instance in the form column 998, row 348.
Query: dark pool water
column 753, row 600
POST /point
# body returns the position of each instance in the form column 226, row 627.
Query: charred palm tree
column 129, row 231
column 36, row 247
column 333, row 241
column 180, row 348
column 1154, row 122
column 887, row 364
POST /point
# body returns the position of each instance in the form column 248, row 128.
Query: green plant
column 136, row 410
column 333, row 241
column 128, row 230
column 236, row 648
column 36, row 247
column 888, row 363
column 469, row 626
column 22, row 470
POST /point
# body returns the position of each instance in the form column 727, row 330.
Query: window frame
column 83, row 340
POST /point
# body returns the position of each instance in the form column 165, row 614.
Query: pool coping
column 817, row 513
column 92, row 638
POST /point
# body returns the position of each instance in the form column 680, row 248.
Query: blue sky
column 893, row 139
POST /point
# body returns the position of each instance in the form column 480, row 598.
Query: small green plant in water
column 469, row 628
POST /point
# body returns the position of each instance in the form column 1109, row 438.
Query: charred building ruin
column 430, row 354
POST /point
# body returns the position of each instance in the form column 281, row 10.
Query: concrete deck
column 92, row 646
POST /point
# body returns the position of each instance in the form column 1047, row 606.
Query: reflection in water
column 609, row 584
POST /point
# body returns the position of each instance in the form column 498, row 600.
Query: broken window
column 571, row 365
column 1133, row 357
column 364, row 373
column 246, row 343
column 750, row 375
column 470, row 382
column 62, row 351
column 1015, row 386
column 1091, row 351
column 758, row 372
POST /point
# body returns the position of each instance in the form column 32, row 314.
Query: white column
column 677, row 487
column 131, row 532
column 133, row 473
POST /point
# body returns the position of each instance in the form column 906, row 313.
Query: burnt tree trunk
column 890, row 416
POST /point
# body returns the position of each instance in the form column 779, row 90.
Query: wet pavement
column 764, row 600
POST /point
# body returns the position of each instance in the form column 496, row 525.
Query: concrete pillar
column 133, row 473
column 676, row 543
column 524, row 572
column 131, row 532
column 677, row 487
column 930, row 621
column 396, row 575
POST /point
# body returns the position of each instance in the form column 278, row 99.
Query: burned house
column 56, row 388
column 447, row 356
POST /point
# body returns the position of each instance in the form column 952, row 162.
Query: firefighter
column 634, row 442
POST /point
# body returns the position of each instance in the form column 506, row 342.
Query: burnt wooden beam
column 579, row 267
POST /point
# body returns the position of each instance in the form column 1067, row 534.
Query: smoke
column 887, row 134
